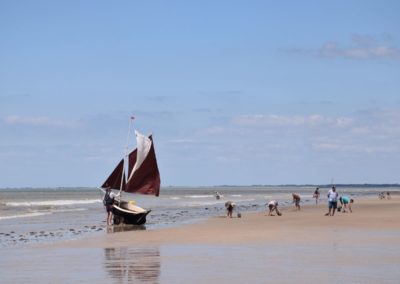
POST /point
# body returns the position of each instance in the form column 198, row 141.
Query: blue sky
column 234, row 92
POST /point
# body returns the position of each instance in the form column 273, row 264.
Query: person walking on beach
column 316, row 195
column 108, row 201
column 229, row 205
column 346, row 202
column 273, row 206
column 332, row 201
column 296, row 200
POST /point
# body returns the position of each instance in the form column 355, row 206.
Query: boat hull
column 128, row 217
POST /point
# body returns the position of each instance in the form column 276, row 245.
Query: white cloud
column 181, row 141
column 361, row 47
column 272, row 120
column 35, row 121
column 358, row 52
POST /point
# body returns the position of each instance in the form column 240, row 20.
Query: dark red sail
column 115, row 179
column 145, row 177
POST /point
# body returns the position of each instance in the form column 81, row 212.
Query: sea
column 45, row 215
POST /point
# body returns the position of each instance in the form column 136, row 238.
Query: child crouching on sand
column 273, row 206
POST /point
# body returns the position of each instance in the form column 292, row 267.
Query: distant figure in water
column 316, row 195
column 296, row 200
column 273, row 206
column 108, row 201
column 332, row 201
column 346, row 202
column 217, row 195
column 229, row 205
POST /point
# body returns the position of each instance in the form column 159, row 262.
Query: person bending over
column 273, row 206
column 346, row 202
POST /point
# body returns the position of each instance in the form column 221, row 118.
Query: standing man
column 316, row 195
column 332, row 201
column 296, row 200
column 108, row 201
column 229, row 205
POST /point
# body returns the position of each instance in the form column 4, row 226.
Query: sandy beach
column 301, row 246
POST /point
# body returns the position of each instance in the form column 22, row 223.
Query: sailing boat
column 143, row 177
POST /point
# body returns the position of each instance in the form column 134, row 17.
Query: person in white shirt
column 332, row 201
column 273, row 206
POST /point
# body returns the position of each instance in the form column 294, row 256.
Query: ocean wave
column 198, row 196
column 27, row 215
column 53, row 202
column 40, row 213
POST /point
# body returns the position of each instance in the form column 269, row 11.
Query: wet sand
column 301, row 246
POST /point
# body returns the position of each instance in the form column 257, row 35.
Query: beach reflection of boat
column 133, row 265
column 143, row 177
column 125, row 228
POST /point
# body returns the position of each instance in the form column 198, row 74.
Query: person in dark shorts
column 108, row 202
column 332, row 201
column 296, row 200
column 273, row 206
column 229, row 205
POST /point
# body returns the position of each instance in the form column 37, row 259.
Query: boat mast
column 131, row 118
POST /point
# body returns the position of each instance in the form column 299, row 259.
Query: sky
column 234, row 92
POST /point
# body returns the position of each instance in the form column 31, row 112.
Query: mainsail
column 143, row 174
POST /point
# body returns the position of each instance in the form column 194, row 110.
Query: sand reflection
column 133, row 265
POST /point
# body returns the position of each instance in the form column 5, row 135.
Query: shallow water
column 278, row 262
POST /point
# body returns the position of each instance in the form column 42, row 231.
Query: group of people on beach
column 333, row 198
column 384, row 194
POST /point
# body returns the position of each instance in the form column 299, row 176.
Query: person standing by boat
column 108, row 201
column 332, row 199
